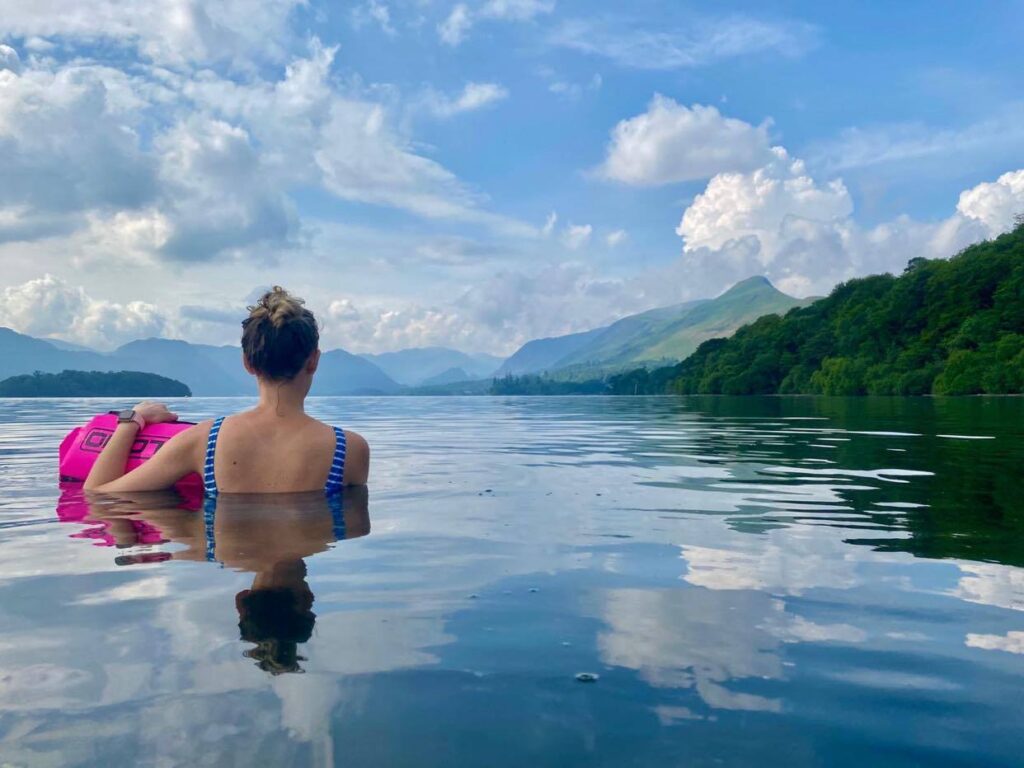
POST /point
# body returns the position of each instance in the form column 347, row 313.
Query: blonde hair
column 279, row 335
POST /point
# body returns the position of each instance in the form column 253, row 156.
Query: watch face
column 125, row 415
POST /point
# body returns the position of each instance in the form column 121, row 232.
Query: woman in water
column 273, row 448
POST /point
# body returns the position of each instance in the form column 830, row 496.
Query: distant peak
column 754, row 283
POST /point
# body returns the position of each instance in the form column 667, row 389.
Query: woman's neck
column 282, row 398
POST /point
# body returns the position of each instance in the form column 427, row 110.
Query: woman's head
column 279, row 336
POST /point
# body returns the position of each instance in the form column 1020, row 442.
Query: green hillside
column 651, row 338
column 951, row 326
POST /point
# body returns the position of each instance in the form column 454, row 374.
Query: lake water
column 798, row 582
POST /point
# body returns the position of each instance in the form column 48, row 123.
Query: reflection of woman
column 267, row 535
column 273, row 448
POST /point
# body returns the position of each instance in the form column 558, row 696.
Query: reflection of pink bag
column 73, row 507
column 81, row 446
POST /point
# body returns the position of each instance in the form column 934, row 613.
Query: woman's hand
column 155, row 413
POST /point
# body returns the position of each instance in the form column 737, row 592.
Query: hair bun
column 278, row 306
column 279, row 335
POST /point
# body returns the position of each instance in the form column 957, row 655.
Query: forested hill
column 951, row 326
column 92, row 384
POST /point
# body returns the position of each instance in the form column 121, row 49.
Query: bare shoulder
column 193, row 436
column 190, row 442
column 357, row 458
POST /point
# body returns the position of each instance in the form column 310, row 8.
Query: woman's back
column 259, row 452
column 274, row 448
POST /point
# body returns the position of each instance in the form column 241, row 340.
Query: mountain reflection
column 268, row 536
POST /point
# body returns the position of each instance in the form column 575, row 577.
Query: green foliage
column 945, row 326
column 530, row 384
column 92, row 384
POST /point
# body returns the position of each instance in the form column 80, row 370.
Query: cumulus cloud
column 48, row 306
column 995, row 204
column 761, row 202
column 576, row 236
column 69, row 140
column 637, row 45
column 171, row 32
column 474, row 96
column 777, row 221
column 671, row 143
column 216, row 196
column 495, row 314
column 213, row 176
column 781, row 222
column 455, row 28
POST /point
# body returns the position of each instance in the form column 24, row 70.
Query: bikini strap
column 209, row 522
column 336, row 476
column 209, row 481
column 334, row 502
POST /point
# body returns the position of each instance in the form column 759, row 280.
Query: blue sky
column 477, row 174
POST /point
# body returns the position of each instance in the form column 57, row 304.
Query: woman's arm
column 177, row 458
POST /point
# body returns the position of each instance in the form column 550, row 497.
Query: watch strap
column 129, row 416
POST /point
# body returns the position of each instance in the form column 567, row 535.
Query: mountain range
column 207, row 370
column 658, row 336
column 650, row 338
column 434, row 365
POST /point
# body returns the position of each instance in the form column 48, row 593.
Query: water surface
column 754, row 581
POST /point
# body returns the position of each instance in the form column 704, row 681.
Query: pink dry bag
column 81, row 446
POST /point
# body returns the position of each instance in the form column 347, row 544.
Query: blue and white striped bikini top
column 334, row 482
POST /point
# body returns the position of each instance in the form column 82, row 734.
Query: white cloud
column 216, row 196
column 991, row 584
column 516, row 10
column 616, row 238
column 638, row 46
column 1011, row 642
column 781, row 222
column 373, row 11
column 760, row 203
column 671, row 143
column 995, row 204
column 777, row 221
column 455, row 27
column 69, row 140
column 9, row 59
column 474, row 96
column 49, row 306
column 165, row 31
column 213, row 176
column 576, row 236
column 663, row 635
